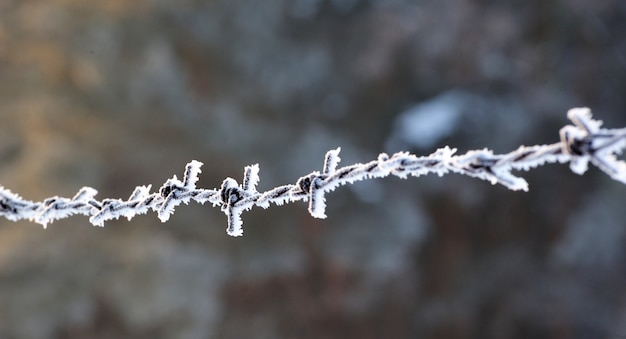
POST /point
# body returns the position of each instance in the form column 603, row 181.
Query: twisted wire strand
column 581, row 143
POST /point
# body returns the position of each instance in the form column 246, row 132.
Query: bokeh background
column 114, row 94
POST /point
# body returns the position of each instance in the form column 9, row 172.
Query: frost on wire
column 580, row 144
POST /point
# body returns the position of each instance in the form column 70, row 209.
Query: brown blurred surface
column 115, row 94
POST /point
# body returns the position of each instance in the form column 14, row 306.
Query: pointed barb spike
column 251, row 178
column 235, row 224
column 582, row 117
column 167, row 209
column 317, row 201
column 579, row 165
column 331, row 161
column 192, row 170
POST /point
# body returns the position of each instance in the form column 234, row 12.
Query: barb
column 581, row 143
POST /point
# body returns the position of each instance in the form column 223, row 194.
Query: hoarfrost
column 582, row 143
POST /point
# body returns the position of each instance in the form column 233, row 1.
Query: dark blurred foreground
column 114, row 94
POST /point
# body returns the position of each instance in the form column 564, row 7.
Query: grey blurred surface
column 115, row 94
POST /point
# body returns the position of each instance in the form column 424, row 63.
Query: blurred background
column 114, row 94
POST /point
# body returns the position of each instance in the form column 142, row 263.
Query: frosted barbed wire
column 581, row 143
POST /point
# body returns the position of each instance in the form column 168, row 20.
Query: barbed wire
column 581, row 143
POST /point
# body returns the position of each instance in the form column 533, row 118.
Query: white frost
column 583, row 143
